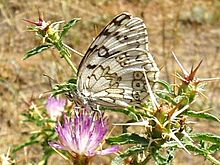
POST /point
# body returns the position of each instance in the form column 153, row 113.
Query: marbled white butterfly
column 111, row 72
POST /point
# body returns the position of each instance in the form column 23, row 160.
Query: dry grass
column 190, row 29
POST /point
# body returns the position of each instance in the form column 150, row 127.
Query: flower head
column 55, row 107
column 47, row 30
column 82, row 135
column 41, row 24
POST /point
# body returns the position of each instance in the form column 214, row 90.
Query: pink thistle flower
column 47, row 30
column 55, row 107
column 83, row 135
column 40, row 23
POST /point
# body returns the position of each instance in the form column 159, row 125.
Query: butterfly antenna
column 50, row 79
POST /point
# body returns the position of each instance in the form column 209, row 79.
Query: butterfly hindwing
column 115, row 81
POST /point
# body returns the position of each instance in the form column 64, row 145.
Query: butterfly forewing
column 111, row 72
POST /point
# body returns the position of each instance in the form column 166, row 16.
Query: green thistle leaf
column 131, row 151
column 68, row 26
column 127, row 138
column 65, row 87
column 130, row 111
column 206, row 137
column 205, row 153
column 118, row 160
column 36, row 50
column 160, row 159
column 19, row 147
column 208, row 116
column 214, row 148
column 166, row 85
column 167, row 97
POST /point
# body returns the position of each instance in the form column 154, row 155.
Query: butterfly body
column 112, row 71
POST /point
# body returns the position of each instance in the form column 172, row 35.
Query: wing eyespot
column 103, row 52
column 138, row 75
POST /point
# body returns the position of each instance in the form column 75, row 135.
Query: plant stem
column 82, row 161
column 66, row 55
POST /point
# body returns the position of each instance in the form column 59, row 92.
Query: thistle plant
column 44, row 120
column 165, row 120
column 52, row 36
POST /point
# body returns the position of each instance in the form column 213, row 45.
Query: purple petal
column 56, row 145
column 55, row 107
column 110, row 150
column 83, row 134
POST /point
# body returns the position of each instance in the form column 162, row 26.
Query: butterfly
column 112, row 71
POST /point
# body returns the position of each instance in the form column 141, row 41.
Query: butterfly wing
column 111, row 72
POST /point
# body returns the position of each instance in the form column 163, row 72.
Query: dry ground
column 189, row 28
